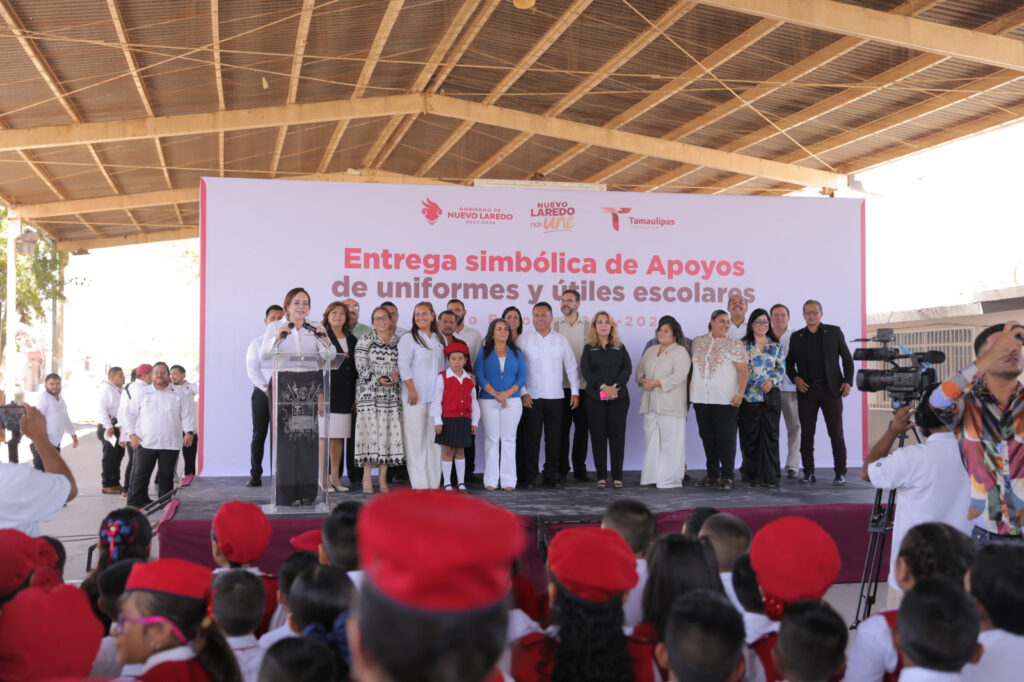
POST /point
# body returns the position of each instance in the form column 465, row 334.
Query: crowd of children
column 424, row 586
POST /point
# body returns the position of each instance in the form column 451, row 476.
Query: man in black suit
column 813, row 365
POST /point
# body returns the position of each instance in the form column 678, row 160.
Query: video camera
column 905, row 383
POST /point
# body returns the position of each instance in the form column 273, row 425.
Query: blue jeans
column 982, row 537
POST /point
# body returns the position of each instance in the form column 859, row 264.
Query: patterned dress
column 379, row 408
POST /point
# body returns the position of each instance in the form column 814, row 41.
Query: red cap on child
column 242, row 531
column 20, row 555
column 794, row 559
column 434, row 551
column 456, row 347
column 171, row 576
column 46, row 632
column 309, row 541
column 593, row 563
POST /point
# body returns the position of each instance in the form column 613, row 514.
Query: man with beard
column 575, row 328
column 983, row 405
column 55, row 410
column 446, row 324
column 157, row 415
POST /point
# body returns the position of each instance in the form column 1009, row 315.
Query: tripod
column 879, row 525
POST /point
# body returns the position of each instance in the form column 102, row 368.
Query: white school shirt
column 159, row 417
column 436, row 407
column 28, row 496
column 547, row 357
column 919, row 674
column 577, row 336
column 56, row 412
column 419, row 363
column 632, row 608
column 258, row 370
column 1000, row 661
column 873, row 653
column 786, row 385
column 300, row 341
column 175, row 654
column 932, row 485
column 110, row 401
column 249, row 654
column 755, row 625
column 276, row 635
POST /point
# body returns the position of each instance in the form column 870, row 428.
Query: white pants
column 791, row 415
column 665, row 451
column 500, row 427
column 422, row 454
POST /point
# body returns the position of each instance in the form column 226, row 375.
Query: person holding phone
column 606, row 369
column 378, row 401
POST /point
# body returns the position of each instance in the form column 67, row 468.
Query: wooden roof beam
column 218, row 74
column 298, row 53
column 70, row 245
column 380, row 39
column 211, row 122
column 869, row 24
column 398, row 126
column 630, row 50
column 515, row 73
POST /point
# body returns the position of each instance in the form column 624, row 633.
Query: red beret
column 170, row 576
column 434, row 551
column 48, row 631
column 794, row 559
column 143, row 369
column 593, row 563
column 20, row 555
column 242, row 530
column 456, row 347
column 309, row 541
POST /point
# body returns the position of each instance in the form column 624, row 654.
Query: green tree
column 38, row 280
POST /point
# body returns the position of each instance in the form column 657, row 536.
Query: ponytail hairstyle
column 190, row 617
column 592, row 645
column 124, row 534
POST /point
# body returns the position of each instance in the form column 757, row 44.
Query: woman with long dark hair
column 124, row 534
column 589, row 570
column 338, row 425
column 762, row 402
column 514, row 318
column 420, row 360
column 676, row 565
column 500, row 373
column 163, row 625
column 662, row 374
column 295, row 422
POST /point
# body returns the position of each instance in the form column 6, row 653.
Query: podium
column 299, row 402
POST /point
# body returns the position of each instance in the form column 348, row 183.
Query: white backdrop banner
column 637, row 256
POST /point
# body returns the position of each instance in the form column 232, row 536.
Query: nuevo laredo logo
column 636, row 222
column 553, row 216
column 431, row 211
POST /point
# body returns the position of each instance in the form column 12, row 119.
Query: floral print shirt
column 764, row 365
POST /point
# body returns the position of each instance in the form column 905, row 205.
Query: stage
column 184, row 530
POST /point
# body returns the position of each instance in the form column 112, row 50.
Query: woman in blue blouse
column 500, row 372
column 762, row 402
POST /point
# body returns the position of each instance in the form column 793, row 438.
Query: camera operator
column 929, row 477
column 983, row 404
column 28, row 496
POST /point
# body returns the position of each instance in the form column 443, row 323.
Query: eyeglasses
column 149, row 620
column 353, row 307
column 760, row 322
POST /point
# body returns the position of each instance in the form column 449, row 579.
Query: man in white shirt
column 141, row 376
column 737, row 316
column 996, row 581
column 549, row 357
column 471, row 338
column 790, row 412
column 28, row 496
column 191, row 391
column 260, row 372
column 575, row 328
column 356, row 328
column 930, row 479
column 55, row 411
column 156, row 418
column 109, row 433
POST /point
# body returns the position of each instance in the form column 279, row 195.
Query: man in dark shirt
column 813, row 365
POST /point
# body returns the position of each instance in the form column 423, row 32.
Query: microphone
column 285, row 332
column 935, row 357
column 319, row 334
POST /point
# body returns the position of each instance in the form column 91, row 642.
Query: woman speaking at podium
column 296, row 430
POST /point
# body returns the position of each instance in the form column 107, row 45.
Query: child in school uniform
column 456, row 413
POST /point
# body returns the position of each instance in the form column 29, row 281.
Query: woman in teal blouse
column 762, row 402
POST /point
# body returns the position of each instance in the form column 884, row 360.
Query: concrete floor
column 76, row 526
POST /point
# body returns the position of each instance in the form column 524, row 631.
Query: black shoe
column 809, row 478
column 553, row 484
column 581, row 478
column 790, row 473
column 254, row 483
column 839, row 480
